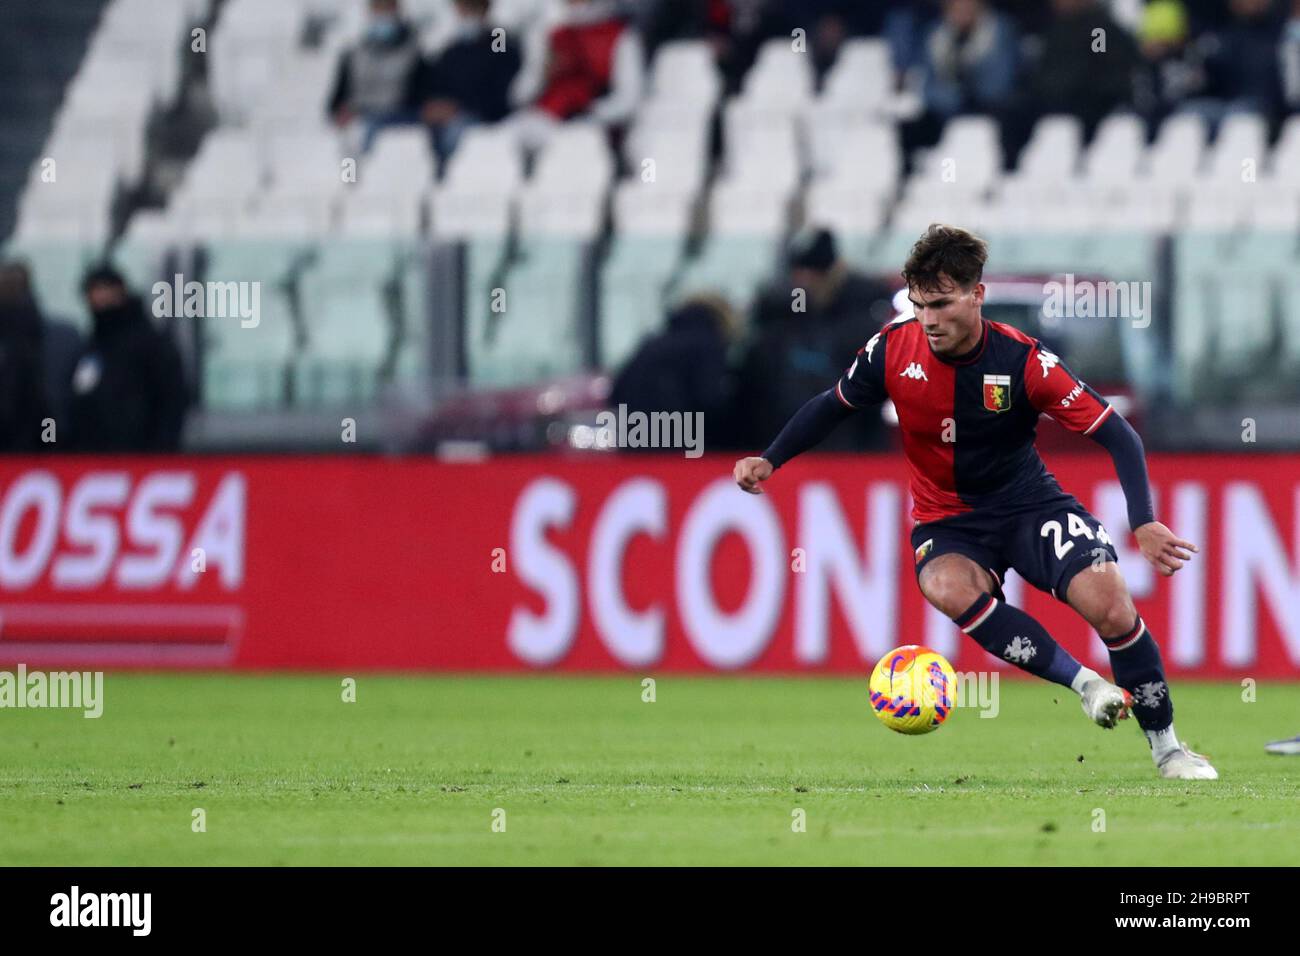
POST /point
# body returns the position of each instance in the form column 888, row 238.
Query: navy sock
column 1011, row 634
column 1135, row 661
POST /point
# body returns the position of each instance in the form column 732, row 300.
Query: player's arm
column 1165, row 550
column 860, row 387
column 1055, row 390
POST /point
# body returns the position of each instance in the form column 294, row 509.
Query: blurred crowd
column 805, row 328
column 1016, row 59
column 119, row 389
column 122, row 386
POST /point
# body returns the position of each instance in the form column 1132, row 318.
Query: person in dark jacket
column 379, row 81
column 1243, row 64
column 54, row 341
column 128, row 388
column 1073, row 75
column 23, row 405
column 806, row 327
column 469, row 81
column 683, row 369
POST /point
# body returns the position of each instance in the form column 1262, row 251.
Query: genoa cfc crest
column 997, row 392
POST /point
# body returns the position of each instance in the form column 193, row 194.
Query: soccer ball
column 913, row 689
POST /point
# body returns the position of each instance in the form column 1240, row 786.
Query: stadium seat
column 250, row 41
column 413, row 291
column 836, row 151
column 1289, row 297
column 967, row 159
column 1284, row 162
column 302, row 82
column 848, row 210
column 1178, row 153
column 1116, row 150
column 1053, row 151
column 732, row 265
column 348, row 299
column 567, row 191
column 781, row 78
column 385, row 216
column 478, row 192
column 1245, row 309
column 1242, row 140
column 672, row 150
column 685, row 76
column 1194, row 312
column 762, row 147
column 861, row 76
column 245, row 368
column 535, row 333
column 634, row 292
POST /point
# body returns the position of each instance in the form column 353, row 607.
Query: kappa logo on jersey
column 871, row 345
column 914, row 371
column 997, row 392
column 867, row 349
column 1047, row 360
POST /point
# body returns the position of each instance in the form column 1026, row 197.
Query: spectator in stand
column 807, row 330
column 22, row 393
column 128, row 388
column 1207, row 15
column 906, row 30
column 1172, row 70
column 1073, row 76
column 972, row 60
column 684, row 369
column 593, row 67
column 53, row 345
column 469, row 81
column 1242, row 63
column 830, row 23
column 737, row 28
column 1289, row 57
column 378, row 82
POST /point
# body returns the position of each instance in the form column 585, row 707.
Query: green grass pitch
column 712, row 772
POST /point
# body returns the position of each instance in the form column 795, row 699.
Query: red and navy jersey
column 968, row 424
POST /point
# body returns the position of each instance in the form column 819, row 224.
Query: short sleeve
column 864, row 382
column 1056, row 391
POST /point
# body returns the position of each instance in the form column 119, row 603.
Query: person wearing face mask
column 378, row 81
column 128, row 387
column 469, row 81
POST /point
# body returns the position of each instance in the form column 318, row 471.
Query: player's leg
column 963, row 588
column 1047, row 547
column 1102, row 598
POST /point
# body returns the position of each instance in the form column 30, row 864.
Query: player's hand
column 1166, row 551
column 750, row 471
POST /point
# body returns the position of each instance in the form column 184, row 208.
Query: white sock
column 1163, row 742
column 1085, row 674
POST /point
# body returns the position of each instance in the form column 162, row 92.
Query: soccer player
column 969, row 392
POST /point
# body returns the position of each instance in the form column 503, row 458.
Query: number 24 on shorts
column 1077, row 527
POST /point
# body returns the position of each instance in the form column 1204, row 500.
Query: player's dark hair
column 946, row 250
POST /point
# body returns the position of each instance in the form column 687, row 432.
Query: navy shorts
column 1046, row 542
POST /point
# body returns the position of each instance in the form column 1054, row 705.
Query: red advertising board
column 582, row 564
